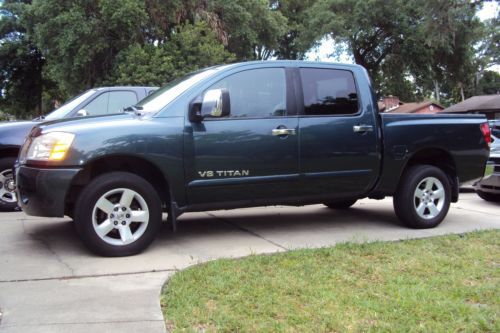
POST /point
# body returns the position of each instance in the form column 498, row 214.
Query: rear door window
column 328, row 92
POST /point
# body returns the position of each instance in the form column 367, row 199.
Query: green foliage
column 411, row 48
column 191, row 47
column 80, row 39
column 20, row 63
column 54, row 49
column 296, row 40
column 489, row 84
column 252, row 28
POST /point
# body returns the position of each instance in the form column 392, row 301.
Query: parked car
column 98, row 101
column 489, row 187
column 242, row 135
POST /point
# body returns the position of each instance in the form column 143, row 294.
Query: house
column 488, row 105
column 394, row 105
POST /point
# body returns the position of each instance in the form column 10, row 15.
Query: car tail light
column 485, row 129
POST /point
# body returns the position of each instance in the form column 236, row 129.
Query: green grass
column 442, row 284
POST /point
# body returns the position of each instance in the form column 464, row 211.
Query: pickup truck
column 95, row 101
column 243, row 135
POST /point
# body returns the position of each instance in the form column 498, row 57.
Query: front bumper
column 42, row 192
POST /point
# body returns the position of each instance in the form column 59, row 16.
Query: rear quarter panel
column 406, row 135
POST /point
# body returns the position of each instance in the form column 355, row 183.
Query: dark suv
column 93, row 102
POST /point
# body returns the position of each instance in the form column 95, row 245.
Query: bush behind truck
column 242, row 135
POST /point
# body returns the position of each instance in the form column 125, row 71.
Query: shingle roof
column 412, row 107
column 477, row 103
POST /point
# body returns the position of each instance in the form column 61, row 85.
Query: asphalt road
column 50, row 283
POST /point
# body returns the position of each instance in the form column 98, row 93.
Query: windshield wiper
column 134, row 108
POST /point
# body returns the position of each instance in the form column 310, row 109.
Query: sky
column 324, row 50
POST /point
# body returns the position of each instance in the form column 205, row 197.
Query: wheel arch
column 439, row 158
column 126, row 163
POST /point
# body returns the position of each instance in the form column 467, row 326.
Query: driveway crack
column 46, row 244
column 87, row 323
column 253, row 233
column 89, row 276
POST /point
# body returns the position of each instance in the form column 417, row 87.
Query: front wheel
column 8, row 197
column 118, row 214
column 422, row 199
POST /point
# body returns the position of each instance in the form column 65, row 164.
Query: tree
column 21, row 63
column 80, row 39
column 424, row 46
column 489, row 84
column 252, row 29
column 191, row 47
column 296, row 40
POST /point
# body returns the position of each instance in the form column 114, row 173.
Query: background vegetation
column 53, row 49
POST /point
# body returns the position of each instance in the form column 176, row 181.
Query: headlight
column 52, row 146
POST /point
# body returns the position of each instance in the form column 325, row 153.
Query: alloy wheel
column 429, row 198
column 120, row 216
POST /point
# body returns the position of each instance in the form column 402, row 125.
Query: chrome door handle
column 363, row 128
column 283, row 131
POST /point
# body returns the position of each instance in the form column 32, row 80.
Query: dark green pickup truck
column 241, row 135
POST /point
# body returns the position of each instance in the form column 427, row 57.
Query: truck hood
column 10, row 130
column 93, row 123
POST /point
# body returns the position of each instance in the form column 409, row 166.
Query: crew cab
column 242, row 135
column 97, row 101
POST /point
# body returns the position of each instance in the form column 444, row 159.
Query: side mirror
column 82, row 113
column 214, row 104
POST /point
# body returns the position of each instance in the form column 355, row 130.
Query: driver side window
column 98, row 106
column 256, row 93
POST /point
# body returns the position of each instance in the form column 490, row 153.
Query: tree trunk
column 461, row 91
column 436, row 91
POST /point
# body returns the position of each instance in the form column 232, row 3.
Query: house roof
column 477, row 103
column 412, row 107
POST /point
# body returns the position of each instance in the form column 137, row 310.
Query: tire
column 345, row 204
column 124, row 208
column 8, row 197
column 422, row 199
column 491, row 197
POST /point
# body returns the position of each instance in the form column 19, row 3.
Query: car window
column 120, row 99
column 68, row 107
column 256, row 93
column 328, row 92
column 98, row 106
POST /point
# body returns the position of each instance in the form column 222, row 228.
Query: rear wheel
column 492, row 197
column 118, row 214
column 422, row 199
column 344, row 204
column 8, row 197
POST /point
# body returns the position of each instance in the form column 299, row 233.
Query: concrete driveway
column 50, row 283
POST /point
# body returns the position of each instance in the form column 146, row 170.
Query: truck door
column 252, row 154
column 339, row 151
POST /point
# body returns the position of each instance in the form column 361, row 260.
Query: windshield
column 63, row 111
column 162, row 97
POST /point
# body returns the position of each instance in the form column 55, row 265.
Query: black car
column 93, row 102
